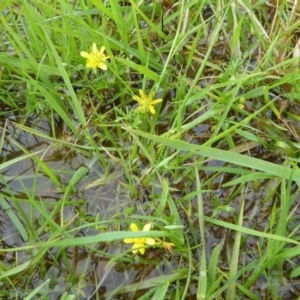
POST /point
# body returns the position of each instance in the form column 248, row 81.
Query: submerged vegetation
column 181, row 118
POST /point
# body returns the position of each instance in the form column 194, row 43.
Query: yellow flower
column 95, row 59
column 146, row 102
column 167, row 246
column 139, row 243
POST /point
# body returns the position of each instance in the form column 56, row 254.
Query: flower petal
column 129, row 240
column 134, row 227
column 142, row 250
column 102, row 66
column 151, row 109
column 137, row 247
column 102, row 49
column 147, row 227
column 156, row 101
column 150, row 241
column 84, row 54
column 138, row 99
column 94, row 48
column 142, row 94
column 91, row 65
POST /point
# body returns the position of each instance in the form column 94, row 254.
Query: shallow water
column 102, row 195
column 108, row 198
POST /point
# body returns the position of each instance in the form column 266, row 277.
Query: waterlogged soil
column 101, row 197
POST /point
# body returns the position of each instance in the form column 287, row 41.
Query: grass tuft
column 213, row 168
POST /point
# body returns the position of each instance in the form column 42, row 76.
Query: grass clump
column 180, row 119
